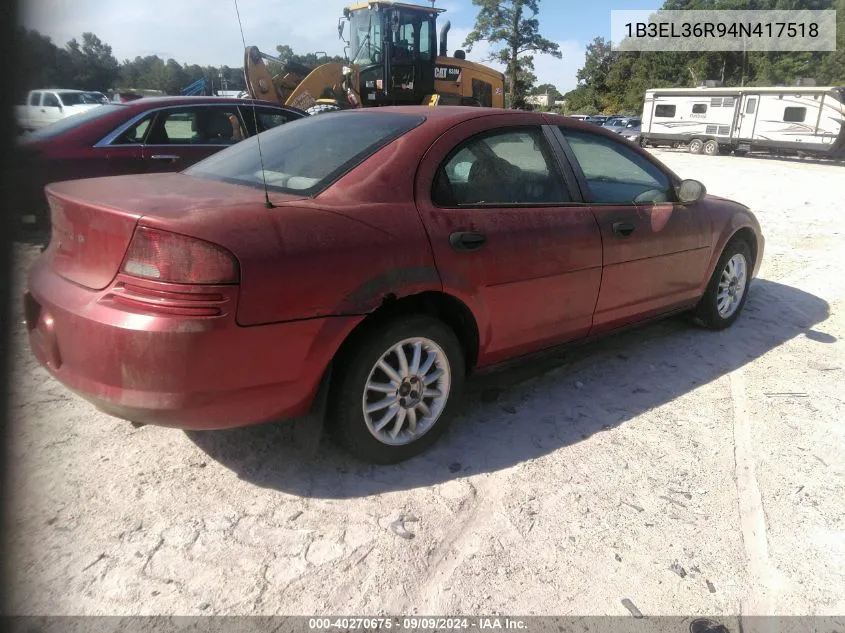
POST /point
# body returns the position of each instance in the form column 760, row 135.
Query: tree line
column 88, row 64
column 609, row 81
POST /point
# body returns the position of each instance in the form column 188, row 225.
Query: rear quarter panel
column 346, row 250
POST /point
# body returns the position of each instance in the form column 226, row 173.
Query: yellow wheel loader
column 392, row 48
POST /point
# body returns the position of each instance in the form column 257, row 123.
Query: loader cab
column 394, row 46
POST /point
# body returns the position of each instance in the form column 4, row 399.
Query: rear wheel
column 711, row 148
column 728, row 288
column 397, row 389
column 696, row 145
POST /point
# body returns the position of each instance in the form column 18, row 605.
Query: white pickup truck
column 43, row 107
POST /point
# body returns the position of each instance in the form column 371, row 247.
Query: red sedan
column 144, row 136
column 377, row 256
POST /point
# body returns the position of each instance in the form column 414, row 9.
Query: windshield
column 78, row 98
column 72, row 122
column 365, row 37
column 306, row 156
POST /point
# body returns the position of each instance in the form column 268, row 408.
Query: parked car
column 616, row 123
column 632, row 130
column 43, row 107
column 597, row 120
column 143, row 136
column 98, row 96
column 579, row 117
column 368, row 260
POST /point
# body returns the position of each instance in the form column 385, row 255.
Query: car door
column 655, row 251
column 51, row 109
column 121, row 150
column 509, row 234
column 184, row 135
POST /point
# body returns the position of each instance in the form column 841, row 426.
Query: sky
column 206, row 32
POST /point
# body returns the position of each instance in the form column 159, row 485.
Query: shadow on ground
column 801, row 160
column 538, row 406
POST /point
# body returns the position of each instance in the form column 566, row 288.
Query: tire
column 707, row 312
column 695, row 146
column 711, row 148
column 358, row 431
column 320, row 108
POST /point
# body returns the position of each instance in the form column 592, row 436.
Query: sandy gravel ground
column 687, row 471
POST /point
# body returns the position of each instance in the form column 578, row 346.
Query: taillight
column 165, row 256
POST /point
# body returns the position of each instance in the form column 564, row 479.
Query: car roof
column 160, row 102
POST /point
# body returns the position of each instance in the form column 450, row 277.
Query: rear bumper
column 185, row 372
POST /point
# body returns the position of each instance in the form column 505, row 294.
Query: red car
column 143, row 136
column 384, row 254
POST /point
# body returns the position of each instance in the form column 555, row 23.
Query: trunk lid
column 93, row 220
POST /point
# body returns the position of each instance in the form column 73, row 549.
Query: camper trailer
column 809, row 120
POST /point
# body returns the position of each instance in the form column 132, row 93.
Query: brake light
column 165, row 256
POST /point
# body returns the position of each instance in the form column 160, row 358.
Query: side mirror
column 341, row 26
column 690, row 191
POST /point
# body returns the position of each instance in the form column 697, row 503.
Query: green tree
column 512, row 28
column 549, row 89
column 94, row 66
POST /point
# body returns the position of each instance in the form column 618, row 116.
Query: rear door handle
column 467, row 241
column 171, row 157
column 622, row 229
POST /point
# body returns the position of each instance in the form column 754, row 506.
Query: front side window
column 501, row 168
column 615, row 173
column 482, row 92
column 365, row 37
column 50, row 100
column 664, row 110
column 307, row 157
column 794, row 115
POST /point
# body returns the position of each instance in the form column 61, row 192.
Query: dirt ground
column 690, row 472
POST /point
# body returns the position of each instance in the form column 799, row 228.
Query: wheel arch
column 448, row 308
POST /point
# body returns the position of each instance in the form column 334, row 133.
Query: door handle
column 171, row 157
column 622, row 229
column 467, row 241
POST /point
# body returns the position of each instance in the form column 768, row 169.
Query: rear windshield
column 74, row 121
column 305, row 156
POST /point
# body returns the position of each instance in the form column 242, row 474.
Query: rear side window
column 615, row 173
column 699, row 108
column 266, row 118
column 306, row 156
column 664, row 110
column 505, row 167
column 134, row 135
column 35, row 99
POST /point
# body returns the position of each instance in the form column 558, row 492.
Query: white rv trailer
column 779, row 119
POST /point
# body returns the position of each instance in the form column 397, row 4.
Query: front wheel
column 728, row 288
column 397, row 389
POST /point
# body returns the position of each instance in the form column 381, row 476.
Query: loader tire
column 320, row 108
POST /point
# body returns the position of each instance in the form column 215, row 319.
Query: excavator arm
column 295, row 85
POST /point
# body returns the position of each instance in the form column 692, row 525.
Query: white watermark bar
column 789, row 31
